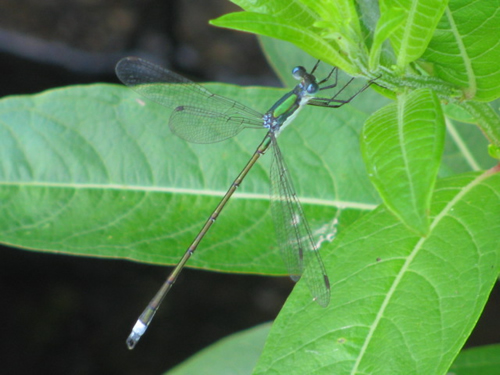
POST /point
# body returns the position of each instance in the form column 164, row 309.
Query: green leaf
column 340, row 24
column 494, row 151
column 401, row 304
column 465, row 147
column 233, row 355
column 95, row 171
column 340, row 11
column 465, row 50
column 390, row 21
column 487, row 119
column 402, row 146
column 297, row 12
column 456, row 112
column 483, row 360
column 285, row 29
column 465, row 150
column 328, row 30
column 412, row 37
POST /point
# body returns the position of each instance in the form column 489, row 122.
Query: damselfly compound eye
column 312, row 88
column 298, row 72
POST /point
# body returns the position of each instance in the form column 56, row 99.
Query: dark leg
column 333, row 102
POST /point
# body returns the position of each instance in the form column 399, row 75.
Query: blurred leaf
column 466, row 146
column 455, row 112
column 483, row 360
column 234, row 355
column 465, row 150
column 402, row 146
column 401, row 304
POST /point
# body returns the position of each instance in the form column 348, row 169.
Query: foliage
column 93, row 171
column 412, row 277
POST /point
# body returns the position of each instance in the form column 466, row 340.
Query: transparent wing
column 294, row 235
column 198, row 125
column 176, row 92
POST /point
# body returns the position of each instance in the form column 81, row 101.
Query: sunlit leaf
column 402, row 146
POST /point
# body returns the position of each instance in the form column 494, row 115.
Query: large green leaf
column 465, row 48
column 401, row 304
column 402, row 145
column 95, row 171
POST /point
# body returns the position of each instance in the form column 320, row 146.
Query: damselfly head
column 308, row 83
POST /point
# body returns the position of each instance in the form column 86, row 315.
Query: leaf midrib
column 200, row 192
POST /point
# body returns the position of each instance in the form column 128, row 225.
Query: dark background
column 71, row 315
